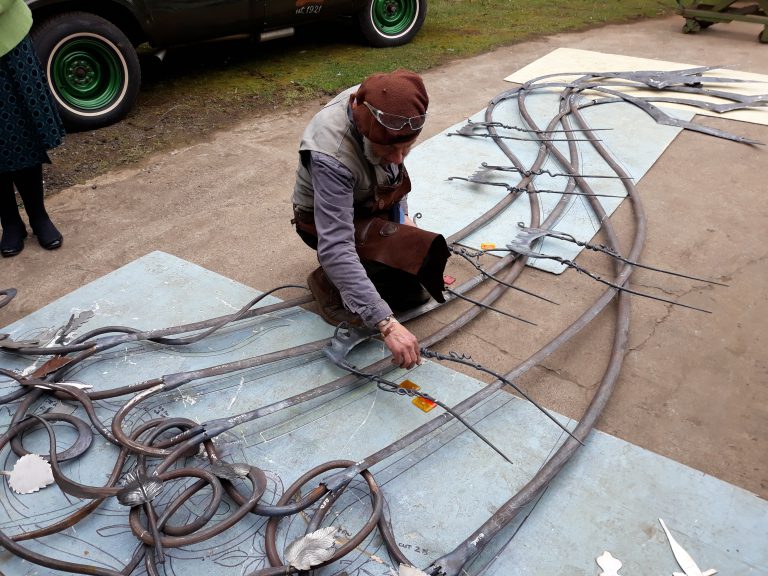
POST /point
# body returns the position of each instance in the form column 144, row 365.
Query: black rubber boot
column 14, row 230
column 29, row 183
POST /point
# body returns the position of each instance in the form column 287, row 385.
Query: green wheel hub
column 87, row 73
column 392, row 17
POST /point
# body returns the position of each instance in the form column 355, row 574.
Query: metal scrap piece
column 138, row 489
column 312, row 549
column 226, row 471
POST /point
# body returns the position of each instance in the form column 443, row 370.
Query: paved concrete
column 693, row 385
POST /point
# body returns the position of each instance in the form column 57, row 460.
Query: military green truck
column 88, row 47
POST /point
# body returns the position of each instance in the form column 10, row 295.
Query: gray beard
column 368, row 151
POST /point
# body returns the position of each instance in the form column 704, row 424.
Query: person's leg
column 330, row 305
column 29, row 183
column 14, row 231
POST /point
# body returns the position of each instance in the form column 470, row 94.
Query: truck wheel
column 92, row 69
column 391, row 22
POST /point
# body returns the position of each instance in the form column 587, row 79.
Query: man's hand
column 403, row 345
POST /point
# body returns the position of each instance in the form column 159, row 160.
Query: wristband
column 387, row 325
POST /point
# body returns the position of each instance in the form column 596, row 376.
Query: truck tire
column 92, row 69
column 391, row 22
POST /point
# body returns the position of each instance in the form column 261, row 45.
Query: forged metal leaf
column 683, row 558
column 75, row 322
column 138, row 489
column 11, row 344
column 471, row 128
column 312, row 549
column 30, row 473
column 48, row 338
column 227, row 471
column 51, row 366
column 481, row 173
column 609, row 564
column 406, row 570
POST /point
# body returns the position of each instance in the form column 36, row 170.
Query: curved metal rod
column 452, row 563
column 272, row 525
column 127, row 335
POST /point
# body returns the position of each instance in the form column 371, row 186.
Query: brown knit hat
column 401, row 93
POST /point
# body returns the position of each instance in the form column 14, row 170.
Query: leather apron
column 418, row 252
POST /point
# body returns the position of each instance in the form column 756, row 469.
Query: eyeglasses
column 395, row 122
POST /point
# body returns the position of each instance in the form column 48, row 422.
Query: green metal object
column 87, row 73
column 699, row 16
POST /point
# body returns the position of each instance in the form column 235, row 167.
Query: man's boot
column 29, row 183
column 14, row 231
column 329, row 302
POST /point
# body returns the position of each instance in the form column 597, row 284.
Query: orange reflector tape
column 420, row 403
column 423, row 404
column 487, row 246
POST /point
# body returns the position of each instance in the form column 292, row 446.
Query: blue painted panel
column 438, row 489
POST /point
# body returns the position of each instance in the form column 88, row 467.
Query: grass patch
column 201, row 89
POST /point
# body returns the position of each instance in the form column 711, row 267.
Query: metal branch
column 613, row 254
column 488, row 168
column 571, row 264
column 467, row 361
column 478, row 303
column 520, row 138
column 389, row 386
column 486, row 125
column 511, row 188
column 470, row 257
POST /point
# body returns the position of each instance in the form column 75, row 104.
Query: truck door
column 279, row 13
column 183, row 21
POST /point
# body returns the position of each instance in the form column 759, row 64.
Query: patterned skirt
column 29, row 122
